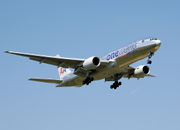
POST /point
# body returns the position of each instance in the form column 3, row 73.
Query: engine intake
column 91, row 63
column 146, row 69
column 141, row 71
column 96, row 61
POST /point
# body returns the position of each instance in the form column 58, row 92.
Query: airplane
column 112, row 67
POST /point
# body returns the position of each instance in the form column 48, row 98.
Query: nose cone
column 158, row 42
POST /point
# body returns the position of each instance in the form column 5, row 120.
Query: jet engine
column 91, row 63
column 141, row 71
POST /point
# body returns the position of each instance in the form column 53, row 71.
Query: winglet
column 6, row 52
column 151, row 75
column 9, row 52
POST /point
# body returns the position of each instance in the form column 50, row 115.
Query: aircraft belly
column 74, row 81
column 106, row 72
column 121, row 63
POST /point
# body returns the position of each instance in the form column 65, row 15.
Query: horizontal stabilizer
column 46, row 80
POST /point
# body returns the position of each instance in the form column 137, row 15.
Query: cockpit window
column 153, row 39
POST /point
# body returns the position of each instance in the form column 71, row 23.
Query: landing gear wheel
column 149, row 62
column 149, row 57
column 115, row 85
column 88, row 80
column 150, row 54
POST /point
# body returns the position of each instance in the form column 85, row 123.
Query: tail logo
column 62, row 71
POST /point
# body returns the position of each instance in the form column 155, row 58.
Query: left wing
column 54, row 60
column 127, row 72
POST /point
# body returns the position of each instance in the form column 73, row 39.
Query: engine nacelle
column 91, row 63
column 141, row 71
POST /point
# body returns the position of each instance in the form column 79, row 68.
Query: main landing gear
column 149, row 57
column 115, row 85
column 88, row 80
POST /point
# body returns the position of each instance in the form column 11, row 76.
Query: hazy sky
column 80, row 29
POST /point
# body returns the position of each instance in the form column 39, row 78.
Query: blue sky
column 82, row 29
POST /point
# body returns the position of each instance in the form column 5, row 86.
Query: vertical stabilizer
column 63, row 72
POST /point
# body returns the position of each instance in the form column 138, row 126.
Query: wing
column 54, row 60
column 127, row 72
column 46, row 80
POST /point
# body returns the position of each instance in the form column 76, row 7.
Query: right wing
column 52, row 60
column 46, row 80
column 55, row 60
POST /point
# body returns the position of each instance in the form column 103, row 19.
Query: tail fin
column 63, row 72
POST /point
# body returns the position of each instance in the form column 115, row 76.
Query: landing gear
column 88, row 80
column 115, row 85
column 149, row 57
column 149, row 62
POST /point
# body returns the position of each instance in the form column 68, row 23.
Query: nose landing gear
column 115, row 85
column 149, row 62
column 149, row 57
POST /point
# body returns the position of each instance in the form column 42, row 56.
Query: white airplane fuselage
column 119, row 59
